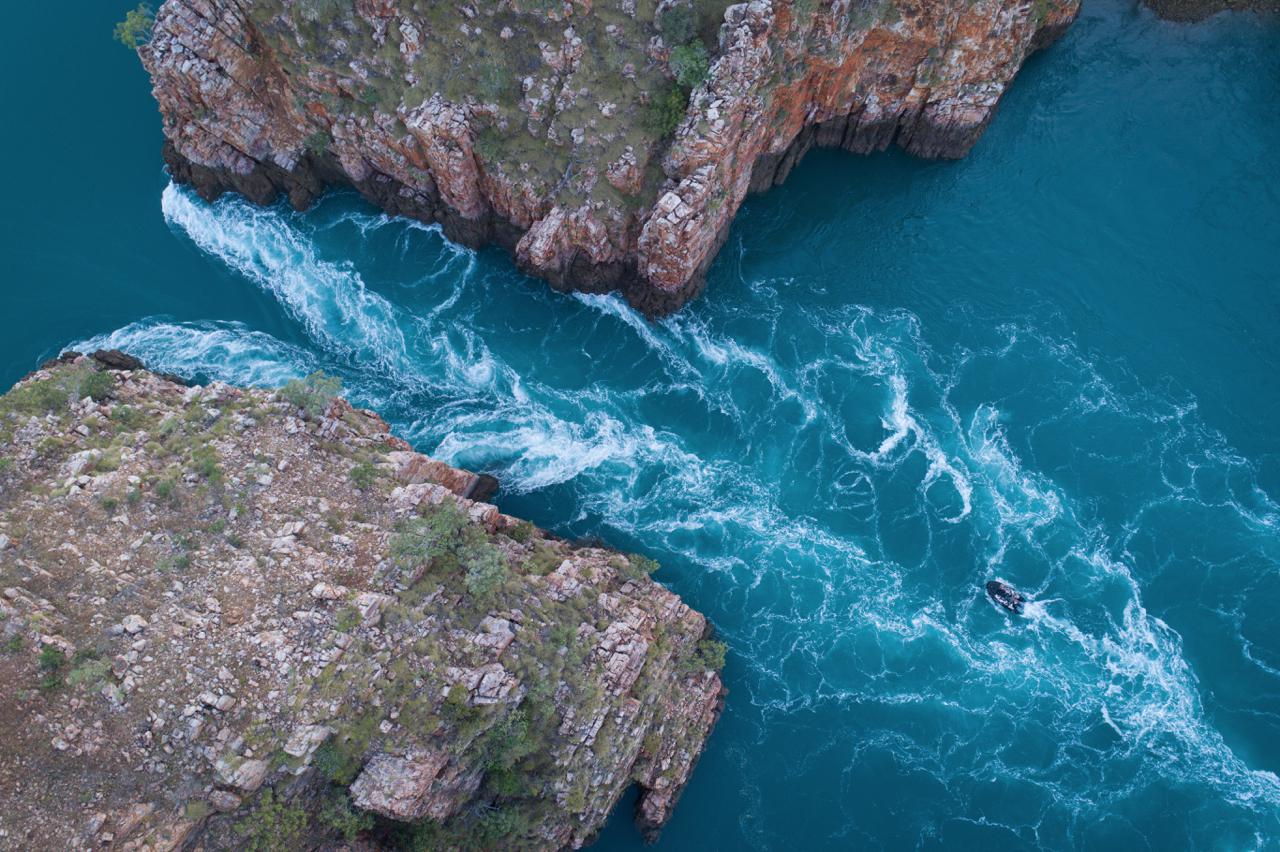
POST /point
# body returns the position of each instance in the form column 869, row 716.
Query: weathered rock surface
column 232, row 618
column 555, row 129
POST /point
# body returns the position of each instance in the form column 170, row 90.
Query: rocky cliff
column 235, row 618
column 606, row 143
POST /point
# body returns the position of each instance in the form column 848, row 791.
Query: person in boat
column 1006, row 596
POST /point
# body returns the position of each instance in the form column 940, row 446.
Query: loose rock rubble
column 228, row 620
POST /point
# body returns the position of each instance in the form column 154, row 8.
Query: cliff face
column 556, row 128
column 232, row 618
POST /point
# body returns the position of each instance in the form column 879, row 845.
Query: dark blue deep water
column 1054, row 362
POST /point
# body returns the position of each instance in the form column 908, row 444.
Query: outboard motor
column 1005, row 595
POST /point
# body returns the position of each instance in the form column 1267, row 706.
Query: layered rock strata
column 559, row 130
column 238, row 619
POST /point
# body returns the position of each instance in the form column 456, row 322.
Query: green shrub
column 97, row 385
column 678, row 23
column 108, row 461
column 510, row 783
column 338, row 760
column 638, row 566
column 495, row 81
column 313, row 393
column 708, row 656
column 502, row 827
column 437, row 532
column 711, row 15
column 508, row 742
column 135, row 29
column 445, row 537
column 52, row 658
column 457, row 708
column 665, row 111
column 320, row 11
column 42, row 397
column 197, row 809
column 127, row 416
column 273, row 826
column 318, row 143
column 690, row 63
column 521, row 532
column 489, row 144
column 488, row 827
column 363, row 475
column 345, row 819
column 204, row 460
column 486, row 568
column 543, row 560
column 50, row 445
column 47, row 396
column 576, row 800
column 51, row 663
column 164, row 488
column 173, row 562
column 347, row 619
column 89, row 672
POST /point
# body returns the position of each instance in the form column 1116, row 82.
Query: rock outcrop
column 560, row 129
column 234, row 618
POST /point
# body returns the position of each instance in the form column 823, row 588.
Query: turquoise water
column 1052, row 363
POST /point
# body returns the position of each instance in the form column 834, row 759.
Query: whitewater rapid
column 829, row 487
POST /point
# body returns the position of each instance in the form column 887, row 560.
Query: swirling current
column 1052, row 363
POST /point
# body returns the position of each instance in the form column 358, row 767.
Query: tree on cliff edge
column 135, row 29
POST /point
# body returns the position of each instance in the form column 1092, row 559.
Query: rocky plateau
column 607, row 144
column 240, row 618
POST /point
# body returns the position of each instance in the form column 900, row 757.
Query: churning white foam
column 227, row 351
column 329, row 299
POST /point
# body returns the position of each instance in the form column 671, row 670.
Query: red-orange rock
column 565, row 175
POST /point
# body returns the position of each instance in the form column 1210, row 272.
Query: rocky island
column 248, row 619
column 606, row 144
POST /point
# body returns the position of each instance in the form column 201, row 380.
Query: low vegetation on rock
column 607, row 144
column 250, row 619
